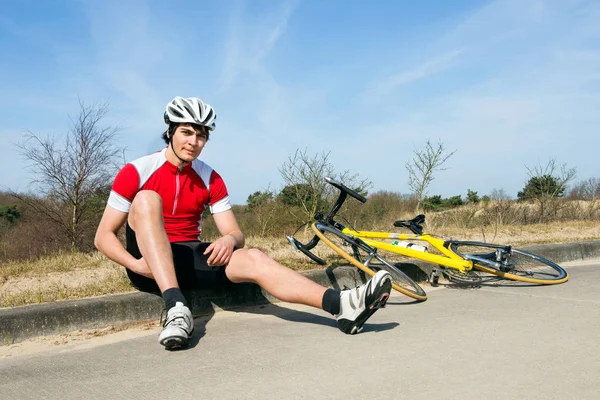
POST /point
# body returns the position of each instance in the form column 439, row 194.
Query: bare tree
column 546, row 184
column 498, row 210
column 588, row 191
column 422, row 166
column 304, row 176
column 69, row 174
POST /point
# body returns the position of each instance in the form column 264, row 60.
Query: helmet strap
column 171, row 132
column 176, row 155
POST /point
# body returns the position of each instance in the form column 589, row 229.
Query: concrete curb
column 20, row 323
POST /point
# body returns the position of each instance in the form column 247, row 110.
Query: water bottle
column 409, row 245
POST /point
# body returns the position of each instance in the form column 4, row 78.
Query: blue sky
column 508, row 84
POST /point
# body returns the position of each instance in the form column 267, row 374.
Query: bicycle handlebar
column 414, row 224
column 346, row 189
column 344, row 192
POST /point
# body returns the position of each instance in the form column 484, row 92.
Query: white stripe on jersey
column 149, row 164
column 118, row 202
column 220, row 206
column 204, row 171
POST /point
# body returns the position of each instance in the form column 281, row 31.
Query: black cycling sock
column 331, row 301
column 172, row 296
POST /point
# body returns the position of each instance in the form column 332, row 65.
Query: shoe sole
column 370, row 310
column 175, row 342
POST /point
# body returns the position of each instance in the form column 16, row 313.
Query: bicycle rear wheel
column 509, row 263
column 365, row 258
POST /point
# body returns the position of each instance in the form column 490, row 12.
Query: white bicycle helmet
column 190, row 110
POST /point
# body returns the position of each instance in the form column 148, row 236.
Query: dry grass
column 115, row 282
column 522, row 235
column 77, row 275
column 61, row 262
column 280, row 250
column 60, row 277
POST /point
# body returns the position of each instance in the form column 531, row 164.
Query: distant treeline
column 25, row 232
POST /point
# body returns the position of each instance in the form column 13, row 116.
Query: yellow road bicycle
column 457, row 260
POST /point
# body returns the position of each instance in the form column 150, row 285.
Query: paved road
column 490, row 343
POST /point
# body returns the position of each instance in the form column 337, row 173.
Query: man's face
column 189, row 141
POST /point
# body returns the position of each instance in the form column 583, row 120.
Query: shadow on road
column 261, row 306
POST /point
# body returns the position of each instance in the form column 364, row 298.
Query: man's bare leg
column 352, row 307
column 145, row 218
column 251, row 265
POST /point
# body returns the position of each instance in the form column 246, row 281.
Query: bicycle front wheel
column 509, row 263
column 365, row 258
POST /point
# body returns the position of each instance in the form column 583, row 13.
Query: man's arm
column 231, row 237
column 108, row 243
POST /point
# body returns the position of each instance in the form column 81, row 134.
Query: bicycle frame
column 496, row 259
column 448, row 259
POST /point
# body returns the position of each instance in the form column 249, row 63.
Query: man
column 161, row 198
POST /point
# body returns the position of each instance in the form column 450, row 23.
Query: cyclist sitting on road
column 161, row 197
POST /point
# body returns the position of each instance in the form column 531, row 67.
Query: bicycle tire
column 365, row 258
column 519, row 266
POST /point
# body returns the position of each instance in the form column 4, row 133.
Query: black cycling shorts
column 191, row 267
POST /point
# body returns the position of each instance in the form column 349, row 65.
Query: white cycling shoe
column 178, row 327
column 357, row 305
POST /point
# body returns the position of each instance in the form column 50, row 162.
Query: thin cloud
column 278, row 30
column 432, row 66
column 128, row 65
column 247, row 45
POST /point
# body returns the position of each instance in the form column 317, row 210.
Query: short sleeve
column 218, row 196
column 124, row 188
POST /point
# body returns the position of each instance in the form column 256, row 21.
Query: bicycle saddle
column 413, row 224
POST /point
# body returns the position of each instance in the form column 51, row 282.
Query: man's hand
column 220, row 251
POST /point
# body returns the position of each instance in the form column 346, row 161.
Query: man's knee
column 257, row 258
column 250, row 263
column 146, row 202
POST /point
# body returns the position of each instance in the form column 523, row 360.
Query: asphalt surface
column 21, row 323
column 494, row 342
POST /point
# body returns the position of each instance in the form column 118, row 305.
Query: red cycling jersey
column 185, row 192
